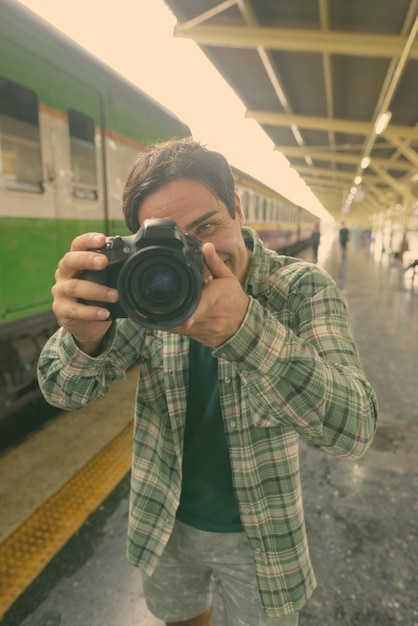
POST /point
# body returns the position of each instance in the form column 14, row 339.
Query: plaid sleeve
column 297, row 357
column 71, row 379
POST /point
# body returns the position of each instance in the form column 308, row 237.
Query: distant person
column 315, row 239
column 222, row 398
column 344, row 236
column 403, row 247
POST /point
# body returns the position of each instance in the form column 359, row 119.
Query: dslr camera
column 158, row 272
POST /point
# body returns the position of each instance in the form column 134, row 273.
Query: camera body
column 158, row 272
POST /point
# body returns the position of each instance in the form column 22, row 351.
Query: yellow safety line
column 26, row 552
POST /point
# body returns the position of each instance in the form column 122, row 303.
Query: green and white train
column 69, row 130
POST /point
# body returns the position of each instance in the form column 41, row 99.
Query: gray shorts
column 182, row 584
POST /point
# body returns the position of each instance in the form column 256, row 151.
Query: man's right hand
column 85, row 322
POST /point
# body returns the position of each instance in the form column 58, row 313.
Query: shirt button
column 233, row 424
column 171, row 372
column 227, row 379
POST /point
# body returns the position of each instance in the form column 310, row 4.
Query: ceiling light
column 357, row 180
column 365, row 163
column 382, row 121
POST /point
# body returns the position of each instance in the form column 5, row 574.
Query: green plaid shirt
column 291, row 370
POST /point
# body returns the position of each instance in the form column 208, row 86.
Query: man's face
column 196, row 210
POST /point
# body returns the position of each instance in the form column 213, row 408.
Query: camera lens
column 160, row 283
column 159, row 288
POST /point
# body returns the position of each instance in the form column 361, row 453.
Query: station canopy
column 333, row 83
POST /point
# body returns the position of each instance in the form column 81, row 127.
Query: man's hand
column 222, row 307
column 85, row 322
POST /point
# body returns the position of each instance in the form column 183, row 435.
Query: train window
column 273, row 211
column 264, row 210
column 83, row 155
column 246, row 203
column 276, row 213
column 256, row 208
column 20, row 144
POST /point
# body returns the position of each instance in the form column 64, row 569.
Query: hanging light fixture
column 382, row 122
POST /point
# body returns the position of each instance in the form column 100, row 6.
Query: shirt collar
column 259, row 271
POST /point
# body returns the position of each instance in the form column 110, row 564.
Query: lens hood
column 160, row 287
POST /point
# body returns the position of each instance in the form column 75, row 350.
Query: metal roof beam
column 306, row 121
column 389, row 180
column 330, row 174
column 323, row 123
column 329, row 178
column 391, row 83
column 406, row 150
column 270, row 69
column 332, row 42
column 325, row 187
column 336, row 157
column 207, row 15
column 327, row 68
column 373, row 202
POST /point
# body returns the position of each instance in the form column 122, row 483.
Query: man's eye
column 205, row 227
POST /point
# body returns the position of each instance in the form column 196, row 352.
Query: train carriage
column 283, row 225
column 69, row 129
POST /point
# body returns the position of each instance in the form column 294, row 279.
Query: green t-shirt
column 207, row 499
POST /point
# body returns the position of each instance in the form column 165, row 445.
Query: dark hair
column 172, row 160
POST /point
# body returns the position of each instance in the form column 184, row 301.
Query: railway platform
column 64, row 489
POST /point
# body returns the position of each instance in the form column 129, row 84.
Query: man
column 316, row 238
column 344, row 236
column 266, row 357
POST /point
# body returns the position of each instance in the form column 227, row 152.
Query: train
column 69, row 129
column 282, row 225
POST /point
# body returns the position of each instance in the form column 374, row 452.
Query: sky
column 136, row 40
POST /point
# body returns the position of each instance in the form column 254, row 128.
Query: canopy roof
column 318, row 75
